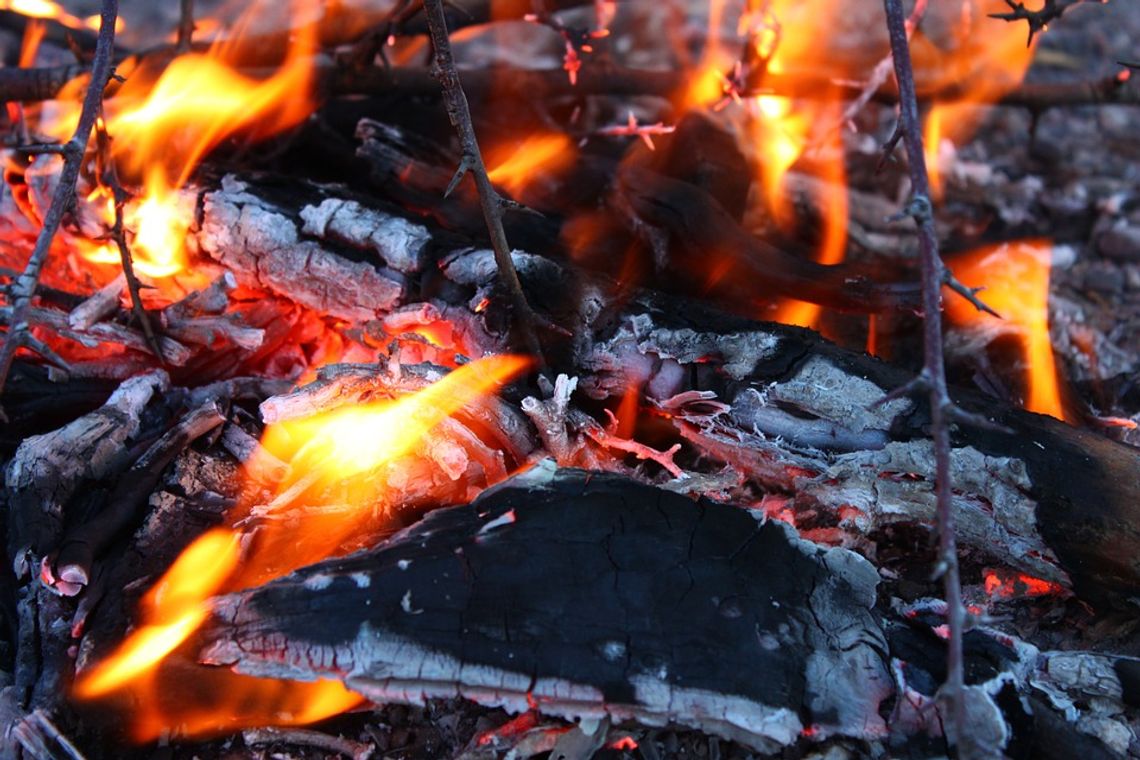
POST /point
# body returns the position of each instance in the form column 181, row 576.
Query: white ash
column 262, row 246
column 827, row 391
column 401, row 244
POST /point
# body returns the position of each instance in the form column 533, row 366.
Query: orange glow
column 217, row 701
column 984, row 59
column 173, row 609
column 708, row 85
column 33, row 35
column 548, row 152
column 164, row 122
column 626, row 416
column 1007, row 584
column 337, row 451
column 1016, row 281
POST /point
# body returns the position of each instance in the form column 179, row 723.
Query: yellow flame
column 44, row 9
column 326, row 450
column 174, row 609
column 163, row 121
column 1016, row 281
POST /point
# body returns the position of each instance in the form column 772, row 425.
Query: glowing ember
column 337, row 451
column 1016, row 281
column 1007, row 584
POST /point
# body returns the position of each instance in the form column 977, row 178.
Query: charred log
column 592, row 596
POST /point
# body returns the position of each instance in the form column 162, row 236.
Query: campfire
column 501, row 380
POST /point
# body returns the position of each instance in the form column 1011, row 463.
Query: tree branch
column 1039, row 19
column 492, row 204
column 932, row 380
column 64, row 197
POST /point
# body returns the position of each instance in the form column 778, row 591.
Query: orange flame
column 337, row 451
column 1016, row 281
column 163, row 123
column 174, row 609
column 547, row 152
column 985, row 59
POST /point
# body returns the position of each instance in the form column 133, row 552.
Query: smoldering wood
column 1051, row 500
column 596, row 78
column 685, row 212
column 593, row 595
column 101, row 332
column 262, row 245
column 47, row 470
column 68, row 568
column 1056, row 501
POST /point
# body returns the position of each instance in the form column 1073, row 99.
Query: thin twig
column 933, row 377
column 185, row 26
column 109, row 177
column 64, row 197
column 1039, row 19
column 472, row 161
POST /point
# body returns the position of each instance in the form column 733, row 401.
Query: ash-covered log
column 588, row 595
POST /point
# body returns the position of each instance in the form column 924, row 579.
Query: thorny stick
column 110, row 177
column 64, row 197
column 1039, row 19
column 489, row 199
column 933, row 377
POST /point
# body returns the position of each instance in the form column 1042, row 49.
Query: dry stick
column 1038, row 19
column 64, row 196
column 110, row 177
column 185, row 26
column 489, row 199
column 933, row 376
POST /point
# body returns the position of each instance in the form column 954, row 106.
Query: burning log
column 590, row 596
column 593, row 597
column 791, row 413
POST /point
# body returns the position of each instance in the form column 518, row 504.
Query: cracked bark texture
column 593, row 595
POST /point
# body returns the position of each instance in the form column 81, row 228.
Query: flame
column 332, row 451
column 984, row 59
column 164, row 128
column 163, row 122
column 546, row 152
column 49, row 11
column 1016, row 281
column 174, row 609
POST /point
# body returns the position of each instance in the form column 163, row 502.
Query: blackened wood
column 593, row 595
column 49, row 469
column 69, row 569
column 705, row 236
column 799, row 423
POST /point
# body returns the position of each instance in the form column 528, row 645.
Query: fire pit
column 570, row 379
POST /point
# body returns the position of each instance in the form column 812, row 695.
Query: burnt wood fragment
column 591, row 595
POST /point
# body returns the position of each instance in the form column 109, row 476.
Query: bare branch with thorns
column 1039, row 19
column 472, row 161
column 109, row 176
column 63, row 199
column 932, row 380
